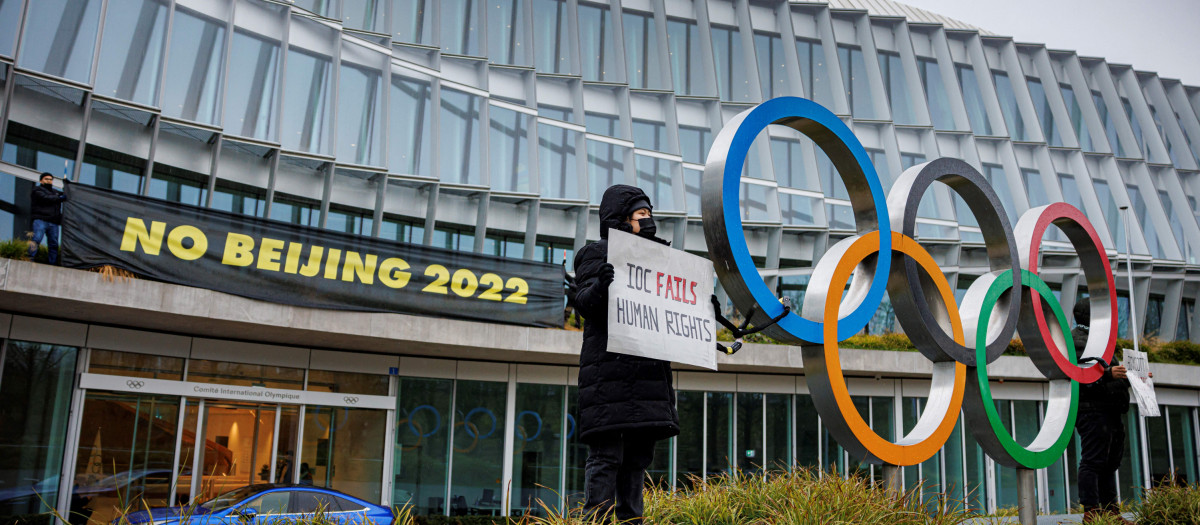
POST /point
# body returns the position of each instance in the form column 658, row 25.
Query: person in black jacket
column 626, row 403
column 1102, row 408
column 47, row 215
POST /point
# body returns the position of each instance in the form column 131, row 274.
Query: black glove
column 606, row 274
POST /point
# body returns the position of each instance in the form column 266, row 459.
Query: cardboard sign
column 1137, row 367
column 659, row 302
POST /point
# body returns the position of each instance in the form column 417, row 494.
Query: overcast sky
column 1152, row 35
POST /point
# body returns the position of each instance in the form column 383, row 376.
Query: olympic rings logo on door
column 960, row 340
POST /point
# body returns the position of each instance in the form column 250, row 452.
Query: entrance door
column 241, row 446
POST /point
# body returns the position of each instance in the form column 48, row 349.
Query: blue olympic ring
column 437, row 417
column 467, row 420
column 827, row 132
column 539, row 424
column 570, row 426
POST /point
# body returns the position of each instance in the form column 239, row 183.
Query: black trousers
column 616, row 474
column 1102, row 440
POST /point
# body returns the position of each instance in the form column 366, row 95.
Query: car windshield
column 228, row 499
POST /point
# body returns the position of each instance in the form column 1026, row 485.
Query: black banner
column 287, row 263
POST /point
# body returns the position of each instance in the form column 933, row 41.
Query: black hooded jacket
column 617, row 392
column 47, row 204
column 1108, row 394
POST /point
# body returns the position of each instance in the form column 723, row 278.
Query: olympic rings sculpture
column 960, row 340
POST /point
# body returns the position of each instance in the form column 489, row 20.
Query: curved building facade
column 493, row 126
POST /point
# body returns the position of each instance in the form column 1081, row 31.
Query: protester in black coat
column 626, row 403
column 46, row 212
column 1101, row 425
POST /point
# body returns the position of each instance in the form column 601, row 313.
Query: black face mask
column 48, row 184
column 646, row 227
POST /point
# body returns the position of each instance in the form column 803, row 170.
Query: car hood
column 162, row 513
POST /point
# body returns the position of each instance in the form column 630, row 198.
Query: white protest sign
column 1137, row 367
column 658, row 303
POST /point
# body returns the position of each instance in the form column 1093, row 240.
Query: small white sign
column 659, row 304
column 1137, row 367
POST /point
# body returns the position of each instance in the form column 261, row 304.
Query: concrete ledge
column 49, row 291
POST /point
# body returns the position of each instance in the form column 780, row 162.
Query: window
column 858, row 85
column 506, row 32
column 994, row 173
column 605, row 167
column 306, row 111
column 364, row 14
column 509, row 146
column 423, row 431
column 452, row 238
column 130, row 61
column 642, row 67
column 59, row 37
column 272, row 503
column 105, row 168
column 1141, row 212
column 178, row 185
column 35, row 382
column 602, row 124
column 1008, row 105
column 599, row 51
column 412, row 21
column 1042, row 106
column 1111, row 214
column 896, row 86
column 553, row 51
column 556, row 162
column 504, row 245
column 10, row 17
column 1133, row 121
column 1076, row 115
column 349, row 220
column 1034, row 187
column 360, row 109
column 649, row 134
column 935, row 93
column 194, row 63
column 239, row 198
column 814, row 72
column 556, row 252
column 402, row 230
column 973, row 99
column 654, row 176
column 252, row 95
column 459, row 137
column 695, row 143
column 410, row 126
column 296, row 210
column 460, row 20
column 772, row 69
column 1110, row 129
column 730, row 59
column 309, row 502
column 691, row 182
column 1154, row 311
column 687, row 58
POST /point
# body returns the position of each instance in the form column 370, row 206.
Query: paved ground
column 1053, row 519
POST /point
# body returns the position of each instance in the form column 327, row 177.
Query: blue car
column 266, row 504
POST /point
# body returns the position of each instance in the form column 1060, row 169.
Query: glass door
column 239, row 446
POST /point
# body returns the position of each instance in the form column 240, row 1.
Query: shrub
column 1170, row 504
column 14, row 249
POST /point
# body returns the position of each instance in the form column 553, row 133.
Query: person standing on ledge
column 47, row 215
column 626, row 403
column 1102, row 408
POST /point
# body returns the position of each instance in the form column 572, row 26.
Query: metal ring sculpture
column 960, row 340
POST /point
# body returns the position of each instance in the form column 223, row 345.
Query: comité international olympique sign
column 884, row 256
